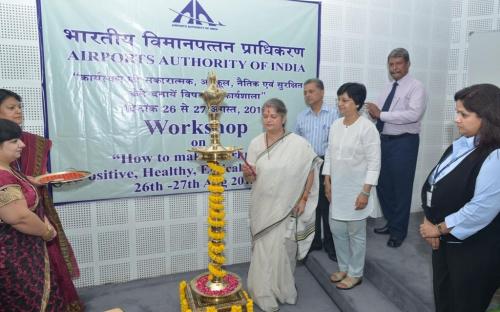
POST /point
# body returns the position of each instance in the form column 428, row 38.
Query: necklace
column 274, row 141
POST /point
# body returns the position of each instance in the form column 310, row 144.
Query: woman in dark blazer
column 461, row 201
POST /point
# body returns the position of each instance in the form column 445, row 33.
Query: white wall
column 466, row 17
column 125, row 239
column 358, row 36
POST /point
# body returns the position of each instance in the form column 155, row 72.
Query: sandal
column 337, row 276
column 349, row 282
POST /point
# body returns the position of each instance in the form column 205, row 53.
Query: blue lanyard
column 438, row 171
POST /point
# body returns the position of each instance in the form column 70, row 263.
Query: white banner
column 122, row 82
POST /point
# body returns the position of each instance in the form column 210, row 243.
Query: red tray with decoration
column 63, row 177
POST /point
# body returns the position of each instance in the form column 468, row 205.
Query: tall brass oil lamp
column 216, row 290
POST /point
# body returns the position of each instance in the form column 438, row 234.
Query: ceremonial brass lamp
column 216, row 290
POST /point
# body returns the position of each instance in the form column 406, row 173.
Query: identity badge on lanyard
column 438, row 171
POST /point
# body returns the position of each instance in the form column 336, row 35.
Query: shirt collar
column 324, row 108
column 403, row 80
column 462, row 145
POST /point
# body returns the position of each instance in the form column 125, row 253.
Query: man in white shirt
column 313, row 124
column 399, row 111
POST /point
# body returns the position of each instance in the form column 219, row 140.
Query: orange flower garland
column 249, row 302
column 236, row 308
column 216, row 222
column 182, row 297
column 216, row 245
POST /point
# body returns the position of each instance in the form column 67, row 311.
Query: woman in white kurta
column 284, row 172
column 352, row 166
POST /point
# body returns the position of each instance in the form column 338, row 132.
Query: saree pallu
column 26, row 280
column 33, row 162
column 278, row 237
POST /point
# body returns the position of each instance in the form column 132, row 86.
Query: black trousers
column 395, row 183
column 465, row 275
column 322, row 216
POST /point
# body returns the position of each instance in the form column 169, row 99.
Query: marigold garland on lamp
column 216, row 290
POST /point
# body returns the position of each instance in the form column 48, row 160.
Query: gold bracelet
column 440, row 228
column 48, row 235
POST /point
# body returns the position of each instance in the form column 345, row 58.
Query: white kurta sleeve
column 326, row 163
column 371, row 146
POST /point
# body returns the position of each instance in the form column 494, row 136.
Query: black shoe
column 332, row 256
column 382, row 230
column 394, row 242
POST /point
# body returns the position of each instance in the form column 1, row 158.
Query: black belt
column 397, row 136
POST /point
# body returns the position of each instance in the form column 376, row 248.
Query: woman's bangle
column 367, row 194
column 48, row 234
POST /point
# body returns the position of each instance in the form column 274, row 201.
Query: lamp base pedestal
column 198, row 303
column 233, row 298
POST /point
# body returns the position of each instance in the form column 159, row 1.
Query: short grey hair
column 277, row 104
column 399, row 52
column 317, row 82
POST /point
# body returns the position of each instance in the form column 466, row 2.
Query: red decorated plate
column 63, row 177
